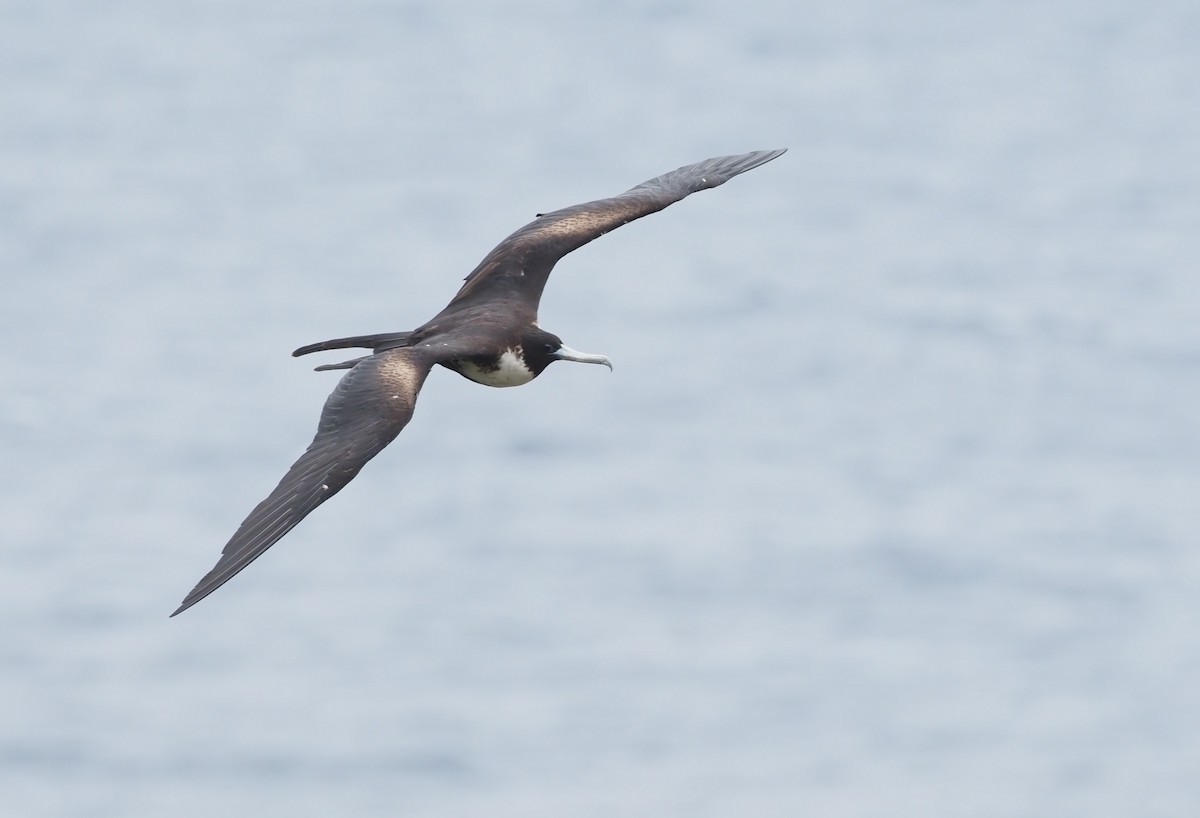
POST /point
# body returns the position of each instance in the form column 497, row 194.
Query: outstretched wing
column 366, row 411
column 519, row 266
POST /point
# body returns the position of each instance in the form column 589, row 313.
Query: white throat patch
column 511, row 372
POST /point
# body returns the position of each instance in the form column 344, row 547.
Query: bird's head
column 541, row 348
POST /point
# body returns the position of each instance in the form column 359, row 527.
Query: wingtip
column 762, row 157
column 202, row 590
column 183, row 606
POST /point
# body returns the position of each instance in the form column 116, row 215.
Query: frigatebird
column 488, row 333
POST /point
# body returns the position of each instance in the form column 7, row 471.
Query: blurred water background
column 888, row 508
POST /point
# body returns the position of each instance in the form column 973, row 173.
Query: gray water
column 888, row 508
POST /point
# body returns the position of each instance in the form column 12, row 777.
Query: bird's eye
column 547, row 347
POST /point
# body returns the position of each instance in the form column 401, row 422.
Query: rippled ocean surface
column 888, row 508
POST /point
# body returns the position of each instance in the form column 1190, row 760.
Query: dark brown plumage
column 488, row 333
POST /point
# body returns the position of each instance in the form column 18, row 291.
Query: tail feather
column 377, row 343
column 353, row 362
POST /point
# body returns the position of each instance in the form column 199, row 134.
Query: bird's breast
column 506, row 369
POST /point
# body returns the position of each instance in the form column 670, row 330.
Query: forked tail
column 376, row 343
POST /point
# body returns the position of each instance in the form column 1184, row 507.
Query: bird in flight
column 488, row 333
